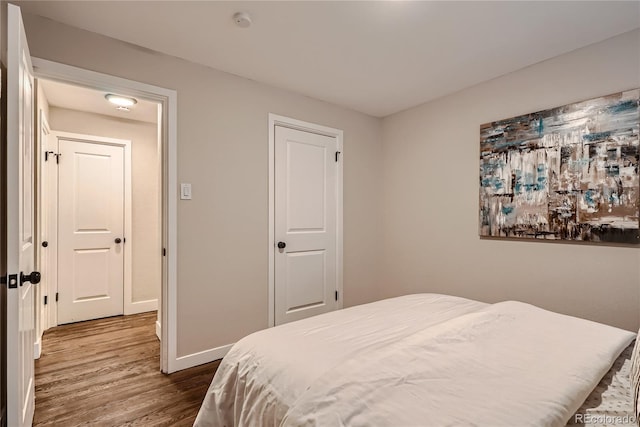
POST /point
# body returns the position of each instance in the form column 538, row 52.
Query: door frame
column 168, row 100
column 277, row 120
column 128, row 306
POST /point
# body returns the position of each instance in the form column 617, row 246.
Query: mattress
column 421, row 359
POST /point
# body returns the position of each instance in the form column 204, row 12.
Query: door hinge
column 46, row 299
column 337, row 155
column 336, row 295
column 56, row 297
column 164, row 251
column 46, row 156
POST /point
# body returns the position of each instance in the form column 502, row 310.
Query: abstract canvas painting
column 568, row 173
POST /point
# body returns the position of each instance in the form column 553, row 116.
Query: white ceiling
column 375, row 57
column 72, row 97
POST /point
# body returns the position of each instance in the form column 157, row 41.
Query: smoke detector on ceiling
column 242, row 19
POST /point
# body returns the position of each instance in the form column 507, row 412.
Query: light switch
column 185, row 191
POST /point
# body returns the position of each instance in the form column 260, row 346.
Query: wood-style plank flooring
column 106, row 373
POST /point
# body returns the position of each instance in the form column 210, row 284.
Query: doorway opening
column 99, row 218
column 106, row 223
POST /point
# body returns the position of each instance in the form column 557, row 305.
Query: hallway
column 106, row 372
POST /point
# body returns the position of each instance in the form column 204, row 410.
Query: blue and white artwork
column 568, row 173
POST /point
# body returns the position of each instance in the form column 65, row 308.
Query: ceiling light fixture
column 121, row 101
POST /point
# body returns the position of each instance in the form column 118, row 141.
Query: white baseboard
column 158, row 330
column 202, row 357
column 140, row 306
column 37, row 349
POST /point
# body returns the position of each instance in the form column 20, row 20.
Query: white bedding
column 611, row 402
column 415, row 360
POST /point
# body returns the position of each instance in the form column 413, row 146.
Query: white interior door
column 42, row 214
column 48, row 220
column 306, row 197
column 91, row 241
column 20, row 225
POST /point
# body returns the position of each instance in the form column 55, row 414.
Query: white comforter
column 418, row 360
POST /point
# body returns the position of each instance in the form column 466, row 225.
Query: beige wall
column 222, row 151
column 145, row 189
column 431, row 154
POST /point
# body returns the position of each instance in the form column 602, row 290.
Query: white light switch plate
column 185, row 191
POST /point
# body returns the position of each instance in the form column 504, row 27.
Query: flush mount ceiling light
column 121, row 101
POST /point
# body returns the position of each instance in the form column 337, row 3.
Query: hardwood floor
column 106, row 373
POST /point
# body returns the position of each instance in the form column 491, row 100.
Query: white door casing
column 20, row 224
column 92, row 199
column 307, row 220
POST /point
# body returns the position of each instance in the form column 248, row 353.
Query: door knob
column 282, row 245
column 45, row 244
column 34, row 278
column 118, row 240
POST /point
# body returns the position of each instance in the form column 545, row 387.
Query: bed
column 423, row 359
